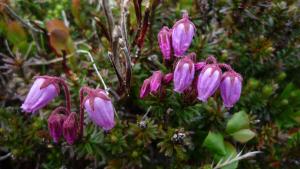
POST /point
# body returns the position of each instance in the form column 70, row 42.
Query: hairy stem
column 67, row 94
column 95, row 67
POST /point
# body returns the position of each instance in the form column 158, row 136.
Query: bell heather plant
column 176, row 89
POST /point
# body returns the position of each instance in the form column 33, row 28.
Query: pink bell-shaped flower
column 164, row 41
column 155, row 81
column 182, row 35
column 43, row 91
column 100, row 108
column 70, row 128
column 183, row 74
column 55, row 124
column 208, row 81
column 231, row 88
column 145, row 89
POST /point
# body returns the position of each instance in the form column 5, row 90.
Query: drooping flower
column 100, row 109
column 155, row 81
column 183, row 74
column 208, row 81
column 43, row 91
column 230, row 88
column 145, row 89
column 70, row 128
column 182, row 35
column 164, row 41
column 55, row 125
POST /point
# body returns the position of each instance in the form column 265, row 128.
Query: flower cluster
column 207, row 75
column 63, row 122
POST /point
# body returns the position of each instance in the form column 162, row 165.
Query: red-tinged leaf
column 16, row 33
column 58, row 36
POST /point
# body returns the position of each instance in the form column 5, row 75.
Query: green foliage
column 239, row 120
column 215, row 143
column 259, row 39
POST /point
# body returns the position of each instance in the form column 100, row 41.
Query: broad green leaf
column 243, row 135
column 239, row 120
column 215, row 143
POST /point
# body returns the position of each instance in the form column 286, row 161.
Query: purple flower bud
column 182, row 35
column 145, row 89
column 55, row 125
column 70, row 128
column 100, row 109
column 208, row 81
column 168, row 78
column 231, row 87
column 155, row 81
column 164, row 41
column 183, row 74
column 41, row 93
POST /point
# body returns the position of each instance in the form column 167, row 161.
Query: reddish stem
column 64, row 64
column 67, row 94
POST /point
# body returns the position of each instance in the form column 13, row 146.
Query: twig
column 238, row 157
column 64, row 16
column 28, row 51
column 114, row 35
column 123, row 21
column 8, row 49
column 5, row 156
column 145, row 115
column 95, row 67
column 102, row 27
column 40, row 63
column 26, row 24
column 65, row 65
column 109, row 16
column 141, row 36
column 14, row 15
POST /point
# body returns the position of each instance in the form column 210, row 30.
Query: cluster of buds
column 63, row 122
column 208, row 73
column 153, row 84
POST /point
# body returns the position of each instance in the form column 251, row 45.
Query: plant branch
column 15, row 16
